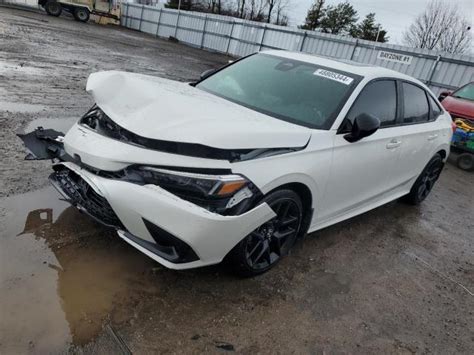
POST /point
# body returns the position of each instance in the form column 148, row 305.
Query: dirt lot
column 399, row 279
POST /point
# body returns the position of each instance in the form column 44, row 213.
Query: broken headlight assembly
column 226, row 194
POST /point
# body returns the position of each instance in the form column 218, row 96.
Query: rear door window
column 435, row 109
column 378, row 98
column 416, row 108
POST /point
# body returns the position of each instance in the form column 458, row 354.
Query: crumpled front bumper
column 211, row 236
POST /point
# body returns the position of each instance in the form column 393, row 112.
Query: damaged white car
column 240, row 164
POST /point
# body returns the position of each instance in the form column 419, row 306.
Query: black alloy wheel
column 266, row 245
column 425, row 182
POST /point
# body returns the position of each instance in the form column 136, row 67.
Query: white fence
column 22, row 3
column 240, row 37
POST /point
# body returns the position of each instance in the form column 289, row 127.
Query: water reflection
column 60, row 278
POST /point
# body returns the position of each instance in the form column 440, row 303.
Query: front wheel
column 425, row 182
column 267, row 244
column 81, row 14
column 53, row 8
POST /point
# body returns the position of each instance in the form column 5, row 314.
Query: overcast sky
column 394, row 15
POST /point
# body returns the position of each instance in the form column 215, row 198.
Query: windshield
column 466, row 92
column 290, row 90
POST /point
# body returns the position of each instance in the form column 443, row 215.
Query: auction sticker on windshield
column 334, row 76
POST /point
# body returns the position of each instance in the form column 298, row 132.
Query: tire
column 425, row 182
column 53, row 8
column 465, row 161
column 264, row 247
column 81, row 14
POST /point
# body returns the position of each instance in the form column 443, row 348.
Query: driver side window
column 378, row 98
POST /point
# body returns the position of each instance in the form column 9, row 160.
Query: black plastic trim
column 167, row 245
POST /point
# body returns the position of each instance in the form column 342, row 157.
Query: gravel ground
column 399, row 279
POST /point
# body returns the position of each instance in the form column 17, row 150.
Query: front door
column 361, row 172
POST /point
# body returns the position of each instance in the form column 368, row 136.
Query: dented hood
column 173, row 111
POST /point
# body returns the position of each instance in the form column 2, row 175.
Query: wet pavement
column 398, row 279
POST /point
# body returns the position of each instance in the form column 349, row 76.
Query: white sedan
column 242, row 163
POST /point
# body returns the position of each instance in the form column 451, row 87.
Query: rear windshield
column 290, row 90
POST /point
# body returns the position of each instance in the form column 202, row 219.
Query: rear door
column 419, row 132
column 361, row 172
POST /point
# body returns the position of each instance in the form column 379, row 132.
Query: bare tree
column 271, row 5
column 281, row 16
column 271, row 11
column 279, row 6
column 256, row 9
column 442, row 27
column 241, row 8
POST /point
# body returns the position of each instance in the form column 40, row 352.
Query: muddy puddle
column 61, row 275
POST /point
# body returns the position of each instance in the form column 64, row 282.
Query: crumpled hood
column 167, row 110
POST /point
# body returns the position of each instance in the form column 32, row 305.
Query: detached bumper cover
column 209, row 235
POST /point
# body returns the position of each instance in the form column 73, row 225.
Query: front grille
column 82, row 195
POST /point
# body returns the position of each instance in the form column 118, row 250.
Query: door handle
column 433, row 136
column 394, row 143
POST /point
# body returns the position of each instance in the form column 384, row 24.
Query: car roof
column 367, row 71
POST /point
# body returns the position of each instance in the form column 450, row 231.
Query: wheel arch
column 443, row 150
column 300, row 189
column 443, row 153
column 306, row 196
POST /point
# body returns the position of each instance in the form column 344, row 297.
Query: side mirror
column 364, row 125
column 207, row 73
column 444, row 94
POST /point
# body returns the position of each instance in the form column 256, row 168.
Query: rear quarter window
column 436, row 110
column 416, row 107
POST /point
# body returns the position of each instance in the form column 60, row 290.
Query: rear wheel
column 266, row 245
column 425, row 182
column 81, row 14
column 53, row 8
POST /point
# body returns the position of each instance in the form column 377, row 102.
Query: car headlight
column 217, row 193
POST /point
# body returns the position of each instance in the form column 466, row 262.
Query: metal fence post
column 126, row 15
column 158, row 23
column 354, row 49
column 433, row 69
column 141, row 18
column 203, row 32
column 263, row 38
column 177, row 24
column 303, row 40
column 230, row 37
